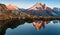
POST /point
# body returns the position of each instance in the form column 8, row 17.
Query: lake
column 36, row 27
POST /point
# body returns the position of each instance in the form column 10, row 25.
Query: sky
column 29, row 3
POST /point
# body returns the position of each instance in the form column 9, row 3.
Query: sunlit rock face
column 12, row 7
column 44, row 7
column 38, row 5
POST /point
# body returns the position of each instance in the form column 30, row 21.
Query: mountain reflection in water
column 38, row 24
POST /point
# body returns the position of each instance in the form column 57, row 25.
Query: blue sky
column 29, row 3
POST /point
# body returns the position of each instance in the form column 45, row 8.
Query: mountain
column 4, row 12
column 38, row 6
column 21, row 9
column 56, row 10
column 7, row 12
column 12, row 7
column 44, row 7
column 4, row 9
column 40, row 10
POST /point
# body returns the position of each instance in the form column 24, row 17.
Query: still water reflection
column 36, row 27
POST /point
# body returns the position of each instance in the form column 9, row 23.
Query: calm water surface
column 26, row 28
